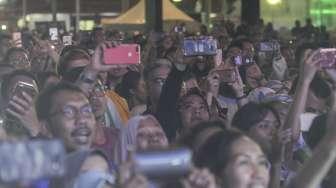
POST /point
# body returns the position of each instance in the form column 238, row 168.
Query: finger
column 18, row 108
column 13, row 113
column 27, row 97
column 17, row 100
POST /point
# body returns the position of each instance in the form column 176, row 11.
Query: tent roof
column 136, row 15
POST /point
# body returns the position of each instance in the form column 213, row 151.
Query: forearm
column 275, row 176
column 297, row 108
column 323, row 158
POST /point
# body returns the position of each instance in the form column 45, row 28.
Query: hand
column 280, row 139
column 309, row 66
column 127, row 178
column 200, row 179
column 23, row 109
column 238, row 85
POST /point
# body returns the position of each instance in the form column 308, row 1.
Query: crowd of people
column 259, row 113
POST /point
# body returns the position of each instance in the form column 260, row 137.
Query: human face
column 71, row 119
column 263, row 131
column 140, row 91
column 20, row 60
column 150, row 135
column 193, row 110
column 248, row 50
column 247, row 166
column 254, row 76
column 155, row 82
column 98, row 101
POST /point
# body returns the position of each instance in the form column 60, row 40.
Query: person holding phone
column 20, row 90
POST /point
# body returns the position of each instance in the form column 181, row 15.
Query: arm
column 307, row 73
column 313, row 172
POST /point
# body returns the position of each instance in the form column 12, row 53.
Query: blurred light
column 177, row 1
column 3, row 27
column 274, row 2
column 3, row 2
column 213, row 15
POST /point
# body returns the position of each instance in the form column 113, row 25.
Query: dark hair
column 190, row 138
column 7, row 79
column 44, row 101
column 251, row 114
column 11, row 51
column 215, row 152
column 75, row 53
column 317, row 131
column 42, row 78
column 318, row 86
column 129, row 81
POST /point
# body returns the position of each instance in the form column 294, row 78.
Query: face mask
column 93, row 179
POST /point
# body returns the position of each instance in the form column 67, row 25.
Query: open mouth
column 82, row 135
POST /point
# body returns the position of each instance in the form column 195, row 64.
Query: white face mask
column 93, row 179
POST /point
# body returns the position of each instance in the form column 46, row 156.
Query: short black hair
column 7, row 79
column 251, row 114
column 44, row 101
column 318, row 86
column 216, row 151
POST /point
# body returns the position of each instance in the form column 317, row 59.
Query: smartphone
column 269, row 46
column 67, row 40
column 128, row 54
column 237, row 60
column 326, row 57
column 17, row 39
column 31, row 160
column 164, row 164
column 202, row 46
column 25, row 87
column 53, row 33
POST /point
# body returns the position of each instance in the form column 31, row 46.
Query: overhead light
column 274, row 2
column 177, row 1
column 3, row 27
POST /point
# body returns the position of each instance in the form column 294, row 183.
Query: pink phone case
column 124, row 54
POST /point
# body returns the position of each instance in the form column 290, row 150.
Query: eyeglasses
column 71, row 112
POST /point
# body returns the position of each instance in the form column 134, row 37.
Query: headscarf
column 129, row 133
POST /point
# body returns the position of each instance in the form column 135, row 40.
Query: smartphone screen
column 53, row 33
column 67, row 40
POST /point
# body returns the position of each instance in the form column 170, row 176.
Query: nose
column 257, row 174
